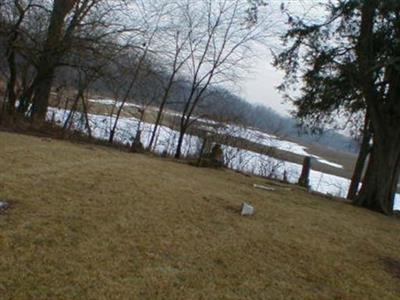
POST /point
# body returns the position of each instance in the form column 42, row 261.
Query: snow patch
column 397, row 202
column 269, row 140
column 327, row 162
column 113, row 102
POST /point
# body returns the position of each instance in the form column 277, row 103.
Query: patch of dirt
column 392, row 266
column 233, row 209
column 4, row 206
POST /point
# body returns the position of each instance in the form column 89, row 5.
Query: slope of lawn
column 90, row 222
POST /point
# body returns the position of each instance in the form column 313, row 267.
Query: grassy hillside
column 89, row 222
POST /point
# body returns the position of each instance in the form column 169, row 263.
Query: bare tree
column 70, row 23
column 179, row 58
column 12, row 37
column 217, row 49
column 149, row 33
column 15, row 16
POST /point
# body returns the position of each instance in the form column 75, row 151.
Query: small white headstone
column 247, row 209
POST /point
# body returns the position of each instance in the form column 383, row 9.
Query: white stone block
column 247, row 209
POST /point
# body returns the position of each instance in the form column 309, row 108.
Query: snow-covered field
column 269, row 140
column 233, row 130
column 235, row 158
column 101, row 126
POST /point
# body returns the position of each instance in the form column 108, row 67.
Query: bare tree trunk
column 305, row 173
column 203, row 146
column 85, row 113
column 71, row 112
column 142, row 111
column 382, row 176
column 114, row 127
column 178, row 152
column 157, row 136
column 361, row 161
column 25, row 99
column 41, row 96
column 162, row 105
column 11, row 95
column 380, row 182
column 11, row 60
column 158, row 120
column 51, row 54
column 184, row 126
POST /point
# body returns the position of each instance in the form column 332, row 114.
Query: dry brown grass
column 89, row 222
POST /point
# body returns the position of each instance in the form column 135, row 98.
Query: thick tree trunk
column 304, row 179
column 11, row 96
column 361, row 161
column 380, row 182
column 42, row 87
column 53, row 50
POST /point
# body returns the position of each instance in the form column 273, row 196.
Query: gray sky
column 260, row 85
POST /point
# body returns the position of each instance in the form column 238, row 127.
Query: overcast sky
column 260, row 85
